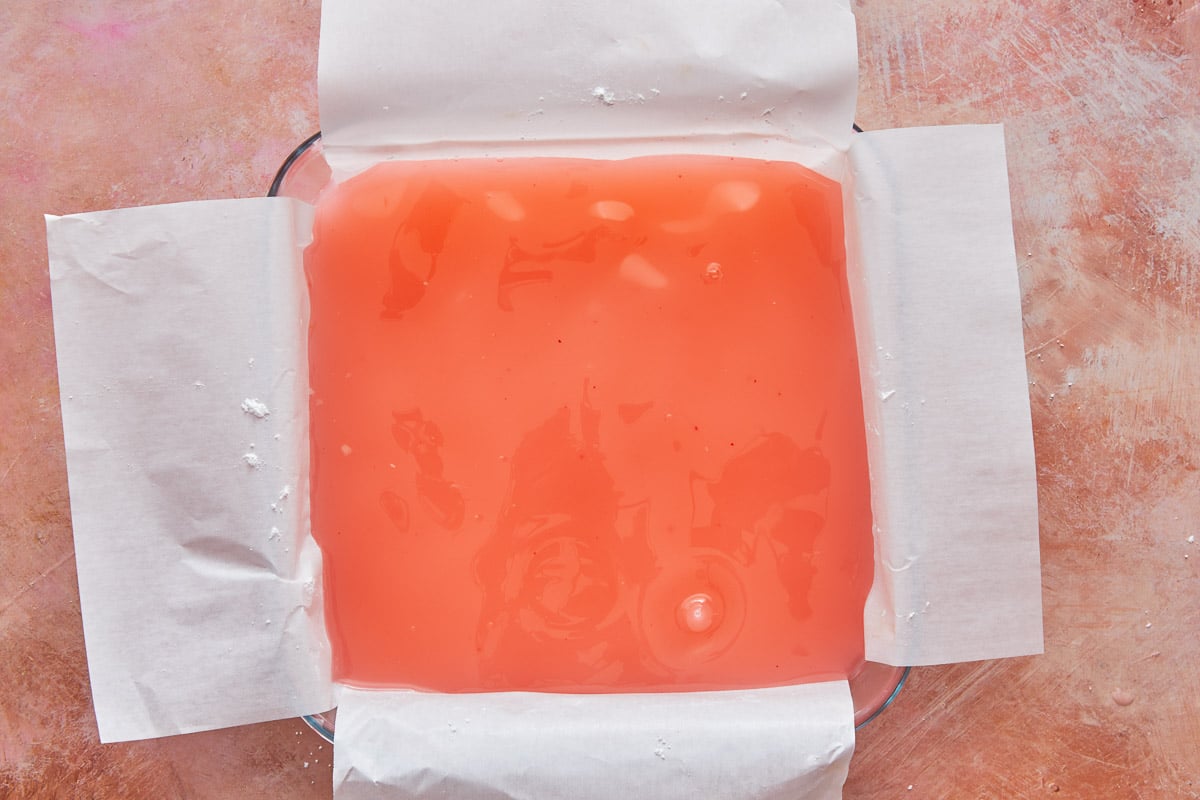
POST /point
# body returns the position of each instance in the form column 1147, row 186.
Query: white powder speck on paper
column 277, row 506
column 1191, row 539
column 887, row 394
column 604, row 95
column 274, row 534
column 250, row 363
column 252, row 460
column 198, row 384
column 255, row 407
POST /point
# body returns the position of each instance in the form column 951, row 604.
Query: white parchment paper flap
column 758, row 78
column 767, row 744
column 199, row 583
column 937, row 316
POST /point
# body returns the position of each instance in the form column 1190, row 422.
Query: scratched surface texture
column 108, row 104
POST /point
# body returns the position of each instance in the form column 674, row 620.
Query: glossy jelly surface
column 587, row 426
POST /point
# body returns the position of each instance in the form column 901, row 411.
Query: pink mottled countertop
column 110, row 104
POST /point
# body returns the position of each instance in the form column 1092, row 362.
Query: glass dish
column 303, row 176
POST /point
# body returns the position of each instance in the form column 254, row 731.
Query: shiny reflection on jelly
column 697, row 613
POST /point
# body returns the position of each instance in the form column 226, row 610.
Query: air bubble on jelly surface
column 505, row 206
column 636, row 269
column 696, row 613
column 713, row 272
column 611, row 209
column 734, row 196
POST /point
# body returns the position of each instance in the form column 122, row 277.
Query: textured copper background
column 107, row 104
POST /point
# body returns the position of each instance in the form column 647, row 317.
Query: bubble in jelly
column 696, row 613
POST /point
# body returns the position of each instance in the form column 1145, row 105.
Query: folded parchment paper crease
column 199, row 579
